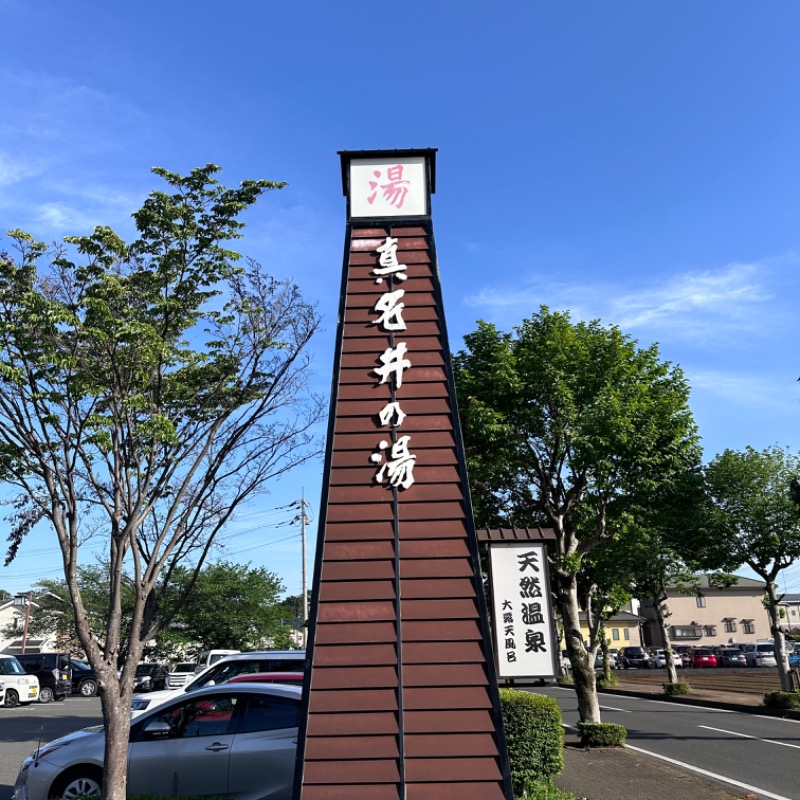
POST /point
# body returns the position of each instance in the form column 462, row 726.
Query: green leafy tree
column 568, row 425
column 147, row 390
column 754, row 493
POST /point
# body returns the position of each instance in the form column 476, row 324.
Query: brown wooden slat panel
column 376, row 393
column 353, row 531
column 455, row 746
column 366, row 424
column 422, row 343
column 354, row 747
column 458, row 721
column 429, row 511
column 369, row 360
column 357, row 633
column 434, row 548
column 477, row 790
column 442, row 652
column 415, row 295
column 359, row 551
column 355, row 408
column 367, row 244
column 411, row 230
column 356, row 700
column 459, row 630
column 411, row 243
column 374, row 611
column 369, row 233
column 431, row 457
column 374, row 771
column 423, row 492
column 440, row 568
column 352, row 571
column 411, row 316
column 412, row 390
column 442, row 529
column 383, row 791
column 453, row 675
column 367, row 443
column 364, row 723
column 446, row 699
column 349, row 656
column 416, row 269
column 372, row 512
column 382, row 677
column 350, row 591
column 422, row 474
column 438, row 609
column 442, row 588
column 453, row 769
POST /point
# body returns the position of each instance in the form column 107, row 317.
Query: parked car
column 180, row 674
column 660, row 659
column 612, row 660
column 150, row 677
column 2, row 693
column 224, row 670
column 634, row 657
column 703, row 657
column 54, row 672
column 730, row 657
column 84, row 681
column 235, row 741
column 210, row 657
column 761, row 655
column 291, row 678
column 794, row 659
column 684, row 651
column 21, row 688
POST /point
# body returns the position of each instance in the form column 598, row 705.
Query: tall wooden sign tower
column 401, row 698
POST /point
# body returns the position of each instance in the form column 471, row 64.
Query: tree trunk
column 662, row 613
column 583, row 674
column 116, row 705
column 784, row 673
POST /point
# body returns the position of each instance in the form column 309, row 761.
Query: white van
column 21, row 688
column 209, row 657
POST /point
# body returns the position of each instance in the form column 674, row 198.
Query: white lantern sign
column 388, row 187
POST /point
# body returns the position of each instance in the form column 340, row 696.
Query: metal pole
column 27, row 621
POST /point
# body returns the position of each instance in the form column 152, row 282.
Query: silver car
column 235, row 741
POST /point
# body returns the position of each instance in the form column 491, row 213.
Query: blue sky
column 633, row 162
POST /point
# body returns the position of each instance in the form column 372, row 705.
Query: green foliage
column 534, row 737
column 545, row 791
column 677, row 688
column 606, row 681
column 782, row 699
column 602, row 734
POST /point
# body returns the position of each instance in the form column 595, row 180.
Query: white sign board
column 387, row 187
column 523, row 619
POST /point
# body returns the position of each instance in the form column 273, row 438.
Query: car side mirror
column 157, row 728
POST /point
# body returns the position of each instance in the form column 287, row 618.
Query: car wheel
column 59, row 697
column 12, row 699
column 45, row 694
column 88, row 688
column 78, row 782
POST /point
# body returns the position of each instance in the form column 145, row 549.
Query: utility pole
column 25, row 600
column 304, row 520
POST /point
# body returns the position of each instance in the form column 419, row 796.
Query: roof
column 516, row 534
column 741, row 583
column 790, row 598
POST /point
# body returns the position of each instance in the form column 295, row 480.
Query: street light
column 24, row 600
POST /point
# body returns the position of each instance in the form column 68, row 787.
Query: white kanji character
column 392, row 410
column 388, row 260
column 391, row 310
column 394, row 362
column 399, row 471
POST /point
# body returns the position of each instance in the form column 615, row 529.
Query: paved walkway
column 625, row 774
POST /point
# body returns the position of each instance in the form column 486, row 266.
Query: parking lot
column 23, row 728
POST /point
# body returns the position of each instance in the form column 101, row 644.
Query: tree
column 754, row 493
column 231, row 606
column 148, row 390
column 568, row 425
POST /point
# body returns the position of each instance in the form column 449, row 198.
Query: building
column 12, row 629
column 790, row 605
column 712, row 617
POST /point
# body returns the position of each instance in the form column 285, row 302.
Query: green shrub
column 679, row 687
column 602, row 734
column 782, row 699
column 545, row 791
column 534, row 736
column 605, row 683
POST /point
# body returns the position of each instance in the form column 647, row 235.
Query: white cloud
column 708, row 304
column 776, row 394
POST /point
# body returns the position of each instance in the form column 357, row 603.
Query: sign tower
column 401, row 699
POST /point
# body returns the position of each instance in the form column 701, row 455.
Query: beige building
column 790, row 604
column 713, row 617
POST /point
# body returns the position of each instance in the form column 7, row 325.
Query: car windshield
column 702, row 652
column 188, row 667
column 12, row 666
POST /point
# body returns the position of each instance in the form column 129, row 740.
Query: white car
column 180, row 674
column 224, row 670
column 761, row 655
column 660, row 659
column 21, row 688
column 235, row 741
column 2, row 693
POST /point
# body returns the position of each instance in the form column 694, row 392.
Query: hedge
column 782, row 699
column 534, row 737
column 602, row 734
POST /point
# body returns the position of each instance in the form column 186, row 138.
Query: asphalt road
column 23, row 728
column 757, row 754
